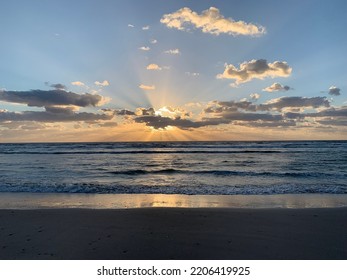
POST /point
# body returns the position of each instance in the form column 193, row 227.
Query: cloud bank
column 41, row 98
column 52, row 115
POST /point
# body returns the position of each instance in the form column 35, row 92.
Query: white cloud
column 210, row 21
column 130, row 25
column 194, row 74
column 333, row 90
column 154, row 41
column 173, row 51
column 153, row 66
column 145, row 27
column 277, row 87
column 255, row 96
column 255, row 69
column 102, row 84
column 144, row 48
column 78, row 83
column 147, row 87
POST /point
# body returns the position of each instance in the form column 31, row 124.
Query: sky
column 150, row 70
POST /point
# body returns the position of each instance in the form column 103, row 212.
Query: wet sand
column 174, row 233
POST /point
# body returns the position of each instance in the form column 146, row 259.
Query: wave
column 226, row 173
column 141, row 171
column 187, row 190
column 26, row 152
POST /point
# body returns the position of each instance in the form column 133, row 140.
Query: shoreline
column 126, row 201
column 164, row 227
column 174, row 233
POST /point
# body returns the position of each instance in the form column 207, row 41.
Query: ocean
column 192, row 168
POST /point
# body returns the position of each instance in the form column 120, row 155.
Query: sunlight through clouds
column 185, row 70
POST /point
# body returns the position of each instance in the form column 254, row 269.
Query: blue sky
column 94, row 47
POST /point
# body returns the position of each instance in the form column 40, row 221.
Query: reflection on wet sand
column 120, row 201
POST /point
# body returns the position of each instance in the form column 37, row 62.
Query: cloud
column 154, row 41
column 108, row 124
column 331, row 116
column 333, row 121
column 255, row 96
column 194, row 74
column 145, row 112
column 51, row 115
column 277, row 87
column 41, row 98
column 159, row 122
column 277, row 104
column 255, row 69
column 145, row 27
column 277, row 113
column 210, row 21
column 124, row 112
column 218, row 107
column 334, row 91
column 130, row 25
column 105, row 83
column 78, row 83
column 58, row 86
column 331, row 112
column 153, row 66
column 295, row 102
column 147, row 87
column 144, row 48
column 174, row 51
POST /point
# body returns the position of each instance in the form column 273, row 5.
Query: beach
column 174, row 233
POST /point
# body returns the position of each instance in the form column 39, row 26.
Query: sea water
column 194, row 168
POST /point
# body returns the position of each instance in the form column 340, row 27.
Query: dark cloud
column 158, row 122
column 334, row 91
column 145, row 112
column 225, row 118
column 282, row 123
column 231, row 106
column 277, row 104
column 58, row 86
column 249, row 114
column 331, row 112
column 294, row 102
column 294, row 115
column 124, row 112
column 60, row 110
column 51, row 115
column 42, row 98
column 333, row 121
column 245, row 116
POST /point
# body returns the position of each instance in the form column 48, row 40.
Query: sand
column 174, row 233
